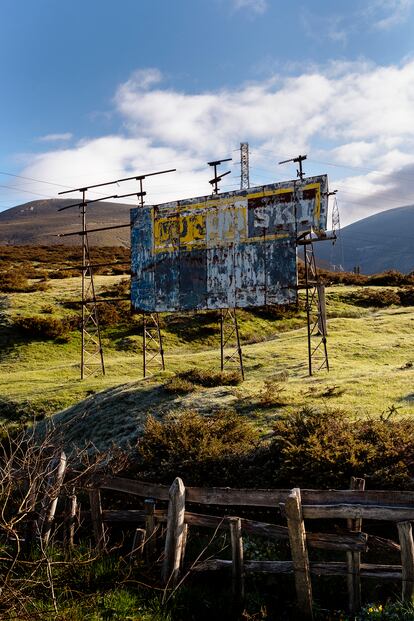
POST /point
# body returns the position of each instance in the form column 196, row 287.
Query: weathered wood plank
column 150, row 530
column 354, row 558
column 137, row 488
column 405, row 534
column 369, row 512
column 138, row 543
column 324, row 541
column 175, row 533
column 52, row 496
column 71, row 522
column 237, row 568
column 299, row 552
column 97, row 520
column 260, row 497
column 385, row 572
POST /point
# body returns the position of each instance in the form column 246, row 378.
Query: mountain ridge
column 40, row 223
column 375, row 244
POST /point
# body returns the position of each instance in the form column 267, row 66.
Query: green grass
column 370, row 353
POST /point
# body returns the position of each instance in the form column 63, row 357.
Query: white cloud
column 55, row 137
column 349, row 114
column 257, row 6
column 385, row 14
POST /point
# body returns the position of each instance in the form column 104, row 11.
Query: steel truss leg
column 152, row 348
column 229, row 332
column 92, row 358
column 315, row 313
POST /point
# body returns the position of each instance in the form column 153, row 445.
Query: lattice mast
column 92, row 357
column 244, row 166
column 314, row 292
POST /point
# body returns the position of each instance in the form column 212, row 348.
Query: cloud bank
column 347, row 114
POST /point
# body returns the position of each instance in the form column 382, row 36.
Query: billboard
column 233, row 250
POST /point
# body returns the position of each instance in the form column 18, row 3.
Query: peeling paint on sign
column 236, row 249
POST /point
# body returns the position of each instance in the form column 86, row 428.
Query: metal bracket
column 229, row 331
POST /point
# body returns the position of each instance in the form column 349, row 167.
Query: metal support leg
column 315, row 313
column 229, row 332
column 152, row 347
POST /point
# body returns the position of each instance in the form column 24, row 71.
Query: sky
column 95, row 90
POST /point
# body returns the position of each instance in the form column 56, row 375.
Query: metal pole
column 160, row 341
column 144, row 344
column 244, row 166
column 308, row 317
column 83, row 282
column 222, row 338
column 239, row 349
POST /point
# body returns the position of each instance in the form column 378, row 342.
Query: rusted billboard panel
column 236, row 249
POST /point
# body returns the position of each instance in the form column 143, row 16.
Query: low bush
column 391, row 278
column 406, row 296
column 193, row 446
column 108, row 314
column 46, row 327
column 377, row 298
column 187, row 381
column 15, row 281
column 309, row 449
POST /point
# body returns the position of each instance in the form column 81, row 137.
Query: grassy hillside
column 370, row 350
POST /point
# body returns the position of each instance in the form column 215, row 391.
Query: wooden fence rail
column 296, row 507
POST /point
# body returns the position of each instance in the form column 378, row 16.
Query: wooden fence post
column 97, row 518
column 138, row 543
column 175, row 533
column 405, row 534
column 299, row 552
column 51, row 498
column 184, row 544
column 73, row 509
column 354, row 558
column 150, row 530
column 237, row 566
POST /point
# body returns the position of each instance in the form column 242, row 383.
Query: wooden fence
column 176, row 508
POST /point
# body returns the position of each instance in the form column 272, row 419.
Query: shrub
column 46, row 327
column 390, row 278
column 324, row 449
column 406, row 296
column 315, row 447
column 179, row 386
column 60, row 274
column 14, row 280
column 209, row 379
column 272, row 392
column 187, row 381
column 195, row 447
column 108, row 314
column 375, row 298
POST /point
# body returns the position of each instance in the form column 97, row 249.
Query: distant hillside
column 381, row 242
column 39, row 223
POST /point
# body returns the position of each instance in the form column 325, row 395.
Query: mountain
column 380, row 242
column 40, row 222
column 384, row 241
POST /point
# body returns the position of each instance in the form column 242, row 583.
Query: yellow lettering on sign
column 166, row 233
column 192, row 229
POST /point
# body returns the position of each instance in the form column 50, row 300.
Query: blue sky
column 97, row 89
